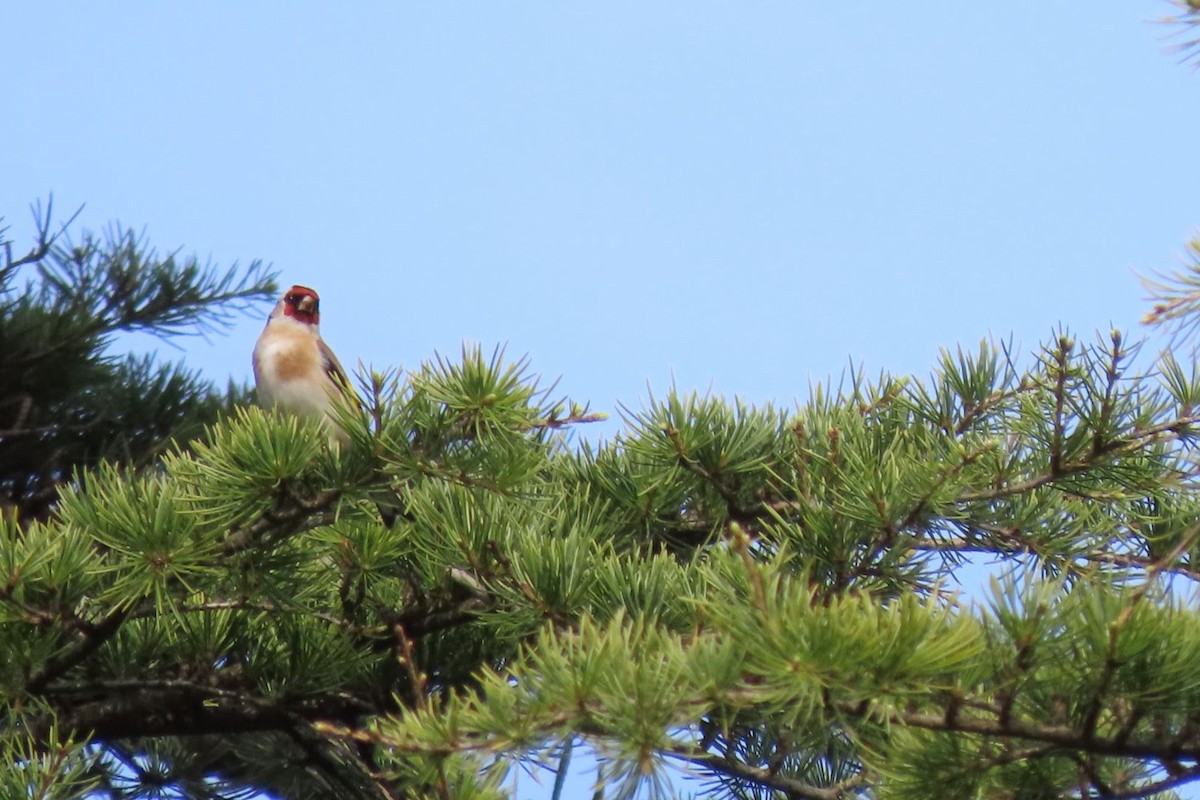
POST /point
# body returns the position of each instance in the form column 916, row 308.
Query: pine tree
column 199, row 599
column 766, row 597
column 66, row 401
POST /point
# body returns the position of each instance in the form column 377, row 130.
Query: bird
column 294, row 370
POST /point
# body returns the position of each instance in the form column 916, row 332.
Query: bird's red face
column 302, row 304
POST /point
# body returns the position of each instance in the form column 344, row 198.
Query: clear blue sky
column 730, row 195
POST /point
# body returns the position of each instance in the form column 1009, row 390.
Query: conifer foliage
column 67, row 401
column 766, row 598
column 199, row 599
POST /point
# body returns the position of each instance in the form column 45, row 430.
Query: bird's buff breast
column 289, row 373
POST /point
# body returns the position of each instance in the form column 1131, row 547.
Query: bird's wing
column 333, row 368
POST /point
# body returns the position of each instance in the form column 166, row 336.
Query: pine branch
column 760, row 776
column 91, row 637
column 1011, row 540
column 995, row 726
column 291, row 513
column 44, row 240
column 1170, row 430
column 152, row 708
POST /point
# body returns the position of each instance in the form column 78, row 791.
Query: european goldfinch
column 294, row 369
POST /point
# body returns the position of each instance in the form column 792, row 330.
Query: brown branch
column 1107, row 672
column 1018, row 543
column 91, row 638
column 418, row 622
column 961, row 716
column 574, row 418
column 1155, row 788
column 990, row 402
column 1112, row 374
column 406, row 658
column 891, row 532
column 42, row 243
column 1063, row 736
column 136, row 709
column 290, row 511
column 761, row 775
column 691, row 465
column 1158, row 567
column 267, row 606
column 1060, row 393
column 1119, row 447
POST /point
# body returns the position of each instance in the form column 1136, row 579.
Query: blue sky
column 735, row 196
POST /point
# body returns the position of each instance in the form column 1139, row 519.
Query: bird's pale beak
column 306, row 304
